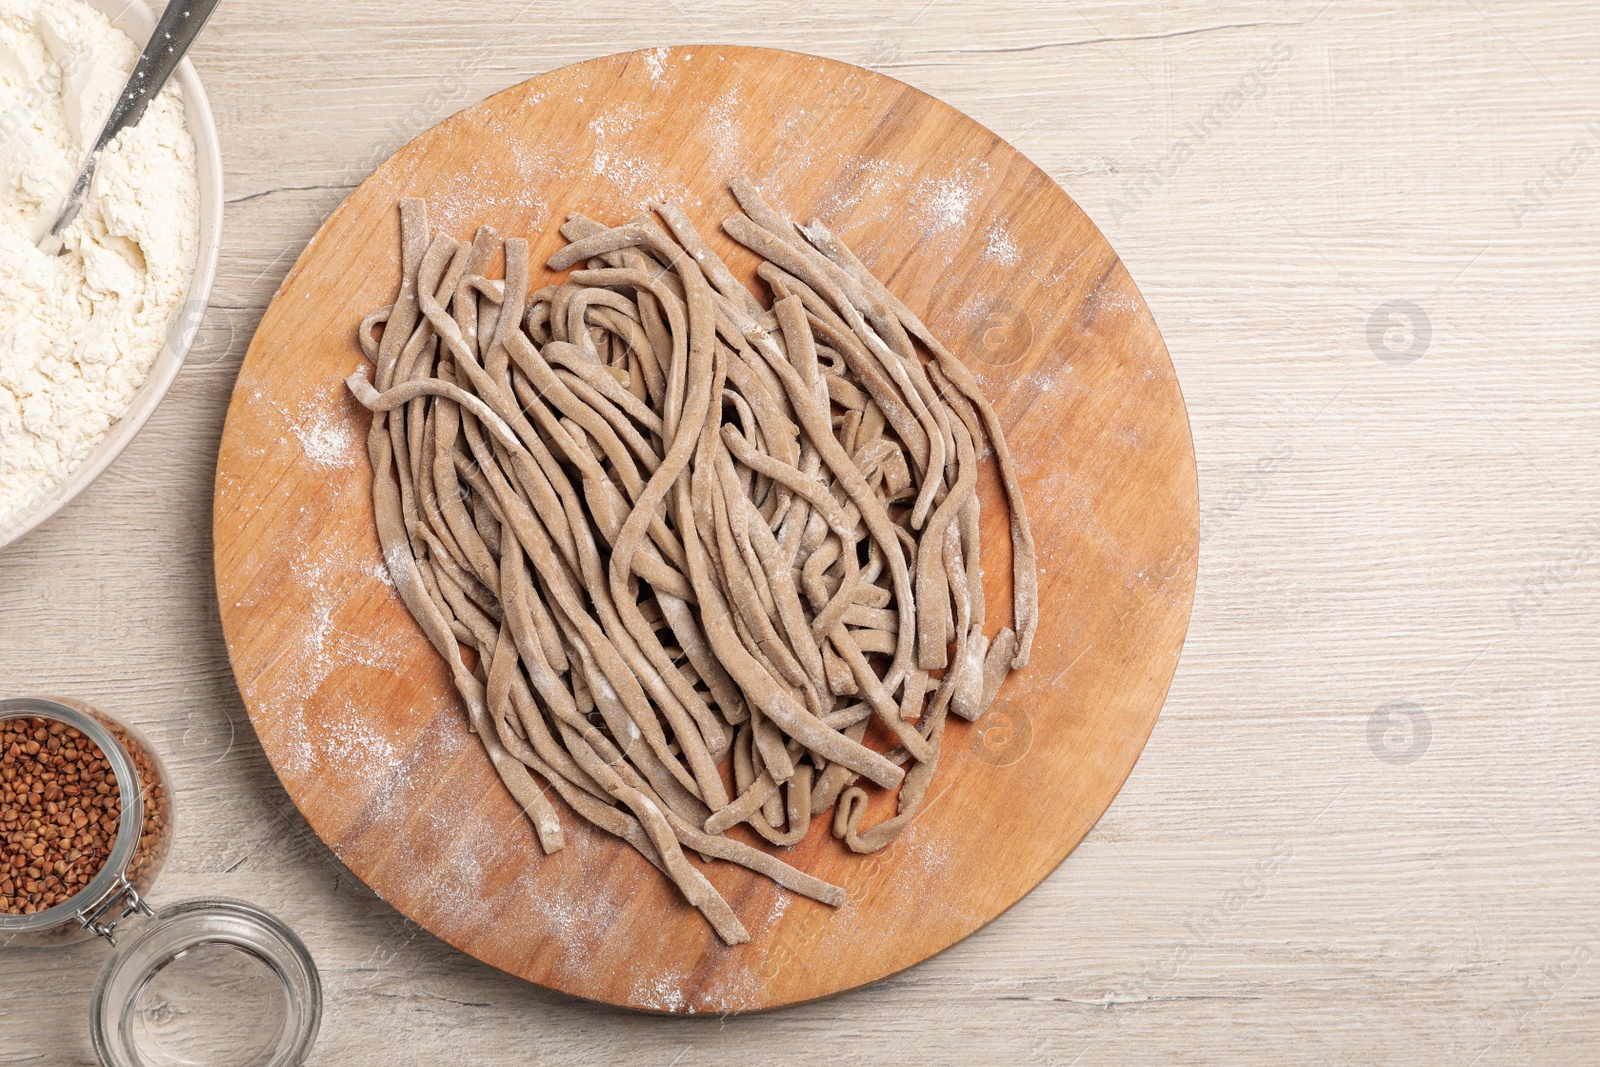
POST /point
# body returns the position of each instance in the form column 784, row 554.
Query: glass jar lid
column 214, row 982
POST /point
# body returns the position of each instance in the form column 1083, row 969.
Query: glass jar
column 176, row 987
column 143, row 836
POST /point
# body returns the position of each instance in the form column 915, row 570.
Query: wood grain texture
column 1371, row 533
column 354, row 707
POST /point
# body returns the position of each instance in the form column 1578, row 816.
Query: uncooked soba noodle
column 653, row 526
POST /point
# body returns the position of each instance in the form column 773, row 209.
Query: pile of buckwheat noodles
column 666, row 524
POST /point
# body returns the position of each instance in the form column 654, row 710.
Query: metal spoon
column 180, row 24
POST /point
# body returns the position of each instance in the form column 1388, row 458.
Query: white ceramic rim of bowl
column 133, row 18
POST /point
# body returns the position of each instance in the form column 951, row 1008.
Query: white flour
column 79, row 332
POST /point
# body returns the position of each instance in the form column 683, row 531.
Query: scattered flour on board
column 945, row 203
column 794, row 131
column 532, row 165
column 1048, row 379
column 870, row 193
column 619, row 121
column 921, row 856
column 726, row 135
column 447, row 856
column 655, row 61
column 407, row 780
column 572, row 909
column 662, row 993
column 1055, row 278
column 1113, row 302
column 324, row 436
column 639, row 182
column 461, row 888
column 1000, row 247
column 462, row 200
column 319, row 585
column 864, row 179
column 356, row 748
column 927, row 861
column 737, row 988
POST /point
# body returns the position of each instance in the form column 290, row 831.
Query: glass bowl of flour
column 91, row 340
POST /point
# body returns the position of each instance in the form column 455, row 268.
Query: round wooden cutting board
column 354, row 708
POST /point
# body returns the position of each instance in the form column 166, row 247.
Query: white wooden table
column 1364, row 828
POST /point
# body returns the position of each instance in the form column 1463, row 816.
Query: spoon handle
column 180, row 24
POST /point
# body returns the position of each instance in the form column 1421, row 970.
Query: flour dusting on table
column 326, row 437
column 656, row 61
column 1000, row 247
column 726, row 135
